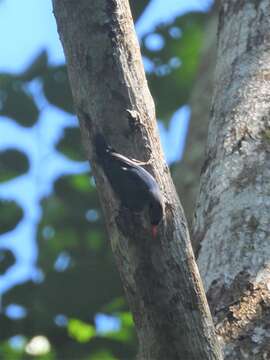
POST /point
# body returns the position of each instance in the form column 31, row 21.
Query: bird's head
column 155, row 213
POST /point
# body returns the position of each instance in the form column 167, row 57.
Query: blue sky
column 35, row 27
column 27, row 27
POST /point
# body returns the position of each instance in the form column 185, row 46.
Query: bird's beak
column 154, row 231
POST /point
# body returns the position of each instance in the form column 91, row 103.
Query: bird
column 135, row 187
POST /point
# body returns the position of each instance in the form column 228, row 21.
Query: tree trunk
column 111, row 96
column 232, row 217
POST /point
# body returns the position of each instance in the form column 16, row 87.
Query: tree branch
column 111, row 96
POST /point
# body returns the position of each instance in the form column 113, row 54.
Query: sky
column 27, row 27
column 36, row 29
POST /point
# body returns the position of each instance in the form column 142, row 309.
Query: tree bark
column 232, row 217
column 111, row 96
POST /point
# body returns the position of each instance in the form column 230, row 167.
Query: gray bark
column 111, row 96
column 232, row 217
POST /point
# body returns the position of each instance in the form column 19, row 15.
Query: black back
column 135, row 187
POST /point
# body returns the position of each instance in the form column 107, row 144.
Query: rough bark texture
column 232, row 217
column 187, row 174
column 111, row 96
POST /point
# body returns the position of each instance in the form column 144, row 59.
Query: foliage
column 78, row 276
column 12, row 164
column 11, row 215
column 56, row 88
column 175, row 63
column 81, row 331
column 70, row 137
column 7, row 259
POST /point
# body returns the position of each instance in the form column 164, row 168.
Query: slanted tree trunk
column 111, row 96
column 233, row 211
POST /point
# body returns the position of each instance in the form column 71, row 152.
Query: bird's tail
column 102, row 148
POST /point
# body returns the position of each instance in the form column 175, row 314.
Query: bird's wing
column 122, row 159
column 137, row 171
column 142, row 178
column 134, row 185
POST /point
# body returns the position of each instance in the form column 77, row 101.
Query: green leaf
column 80, row 331
column 15, row 102
column 126, row 319
column 11, row 215
column 56, row 88
column 102, row 355
column 37, row 67
column 71, row 144
column 95, row 240
column 82, row 183
column 12, row 164
column 7, row 259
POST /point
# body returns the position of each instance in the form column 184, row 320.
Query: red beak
column 154, row 231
